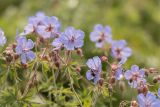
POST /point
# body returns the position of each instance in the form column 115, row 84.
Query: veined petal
column 89, row 75
column 23, row 58
column 30, row 44
column 31, row 55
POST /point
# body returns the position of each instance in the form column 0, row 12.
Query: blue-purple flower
column 118, row 73
column 135, row 76
column 95, row 66
column 23, row 49
column 33, row 23
column 101, row 35
column 2, row 38
column 148, row 100
column 50, row 27
column 71, row 39
column 120, row 51
column 57, row 43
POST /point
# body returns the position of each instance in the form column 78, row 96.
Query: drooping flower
column 2, row 38
column 135, row 76
column 95, row 66
column 71, row 38
column 120, row 51
column 23, row 49
column 33, row 23
column 148, row 100
column 101, row 35
column 50, row 27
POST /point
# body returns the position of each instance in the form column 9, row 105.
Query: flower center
column 49, row 29
column 102, row 37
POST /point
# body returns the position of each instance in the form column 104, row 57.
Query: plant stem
column 110, row 99
column 71, row 84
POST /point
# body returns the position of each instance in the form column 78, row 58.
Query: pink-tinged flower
column 101, row 35
column 50, row 27
column 23, row 49
column 120, row 51
column 148, row 100
column 71, row 39
column 3, row 39
column 135, row 76
column 95, row 66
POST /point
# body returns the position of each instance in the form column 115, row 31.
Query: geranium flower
column 23, row 49
column 101, row 35
column 95, row 69
column 148, row 100
column 135, row 76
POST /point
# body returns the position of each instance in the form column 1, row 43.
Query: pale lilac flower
column 3, row 39
column 50, row 27
column 135, row 76
column 120, row 51
column 23, row 49
column 101, row 35
column 95, row 69
column 72, row 38
column 148, row 100
column 33, row 23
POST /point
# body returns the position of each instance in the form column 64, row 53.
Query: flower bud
column 155, row 80
column 112, row 80
column 79, row 52
column 122, row 85
column 114, row 67
column 104, row 58
column 134, row 103
column 78, row 68
column 57, row 64
column 101, row 81
column 110, row 88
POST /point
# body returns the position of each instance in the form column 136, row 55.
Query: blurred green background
column 136, row 21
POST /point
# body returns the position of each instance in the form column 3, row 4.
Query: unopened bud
column 112, row 80
column 134, row 103
column 101, row 81
column 104, row 58
column 79, row 52
column 155, row 80
column 114, row 67
column 57, row 64
column 110, row 88
column 25, row 66
column 78, row 68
